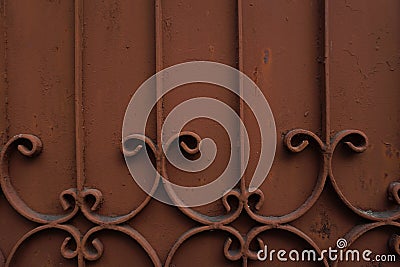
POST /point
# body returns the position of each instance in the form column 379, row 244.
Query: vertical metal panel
column 40, row 94
column 365, row 83
column 283, row 52
column 119, row 54
column 192, row 31
column 328, row 68
column 38, row 59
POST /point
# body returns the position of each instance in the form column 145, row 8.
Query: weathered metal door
column 330, row 71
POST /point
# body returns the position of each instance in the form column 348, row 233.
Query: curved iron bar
column 65, row 249
column 90, row 211
column 350, row 138
column 354, row 234
column 230, row 215
column 30, row 146
column 305, row 138
column 232, row 255
column 97, row 249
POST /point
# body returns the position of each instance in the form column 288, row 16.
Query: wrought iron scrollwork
column 88, row 247
column 31, row 146
column 87, row 201
column 74, row 245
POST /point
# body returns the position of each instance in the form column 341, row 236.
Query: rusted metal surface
column 330, row 70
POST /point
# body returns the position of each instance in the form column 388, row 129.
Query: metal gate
column 329, row 69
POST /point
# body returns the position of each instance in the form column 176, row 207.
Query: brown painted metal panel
column 329, row 69
column 38, row 86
